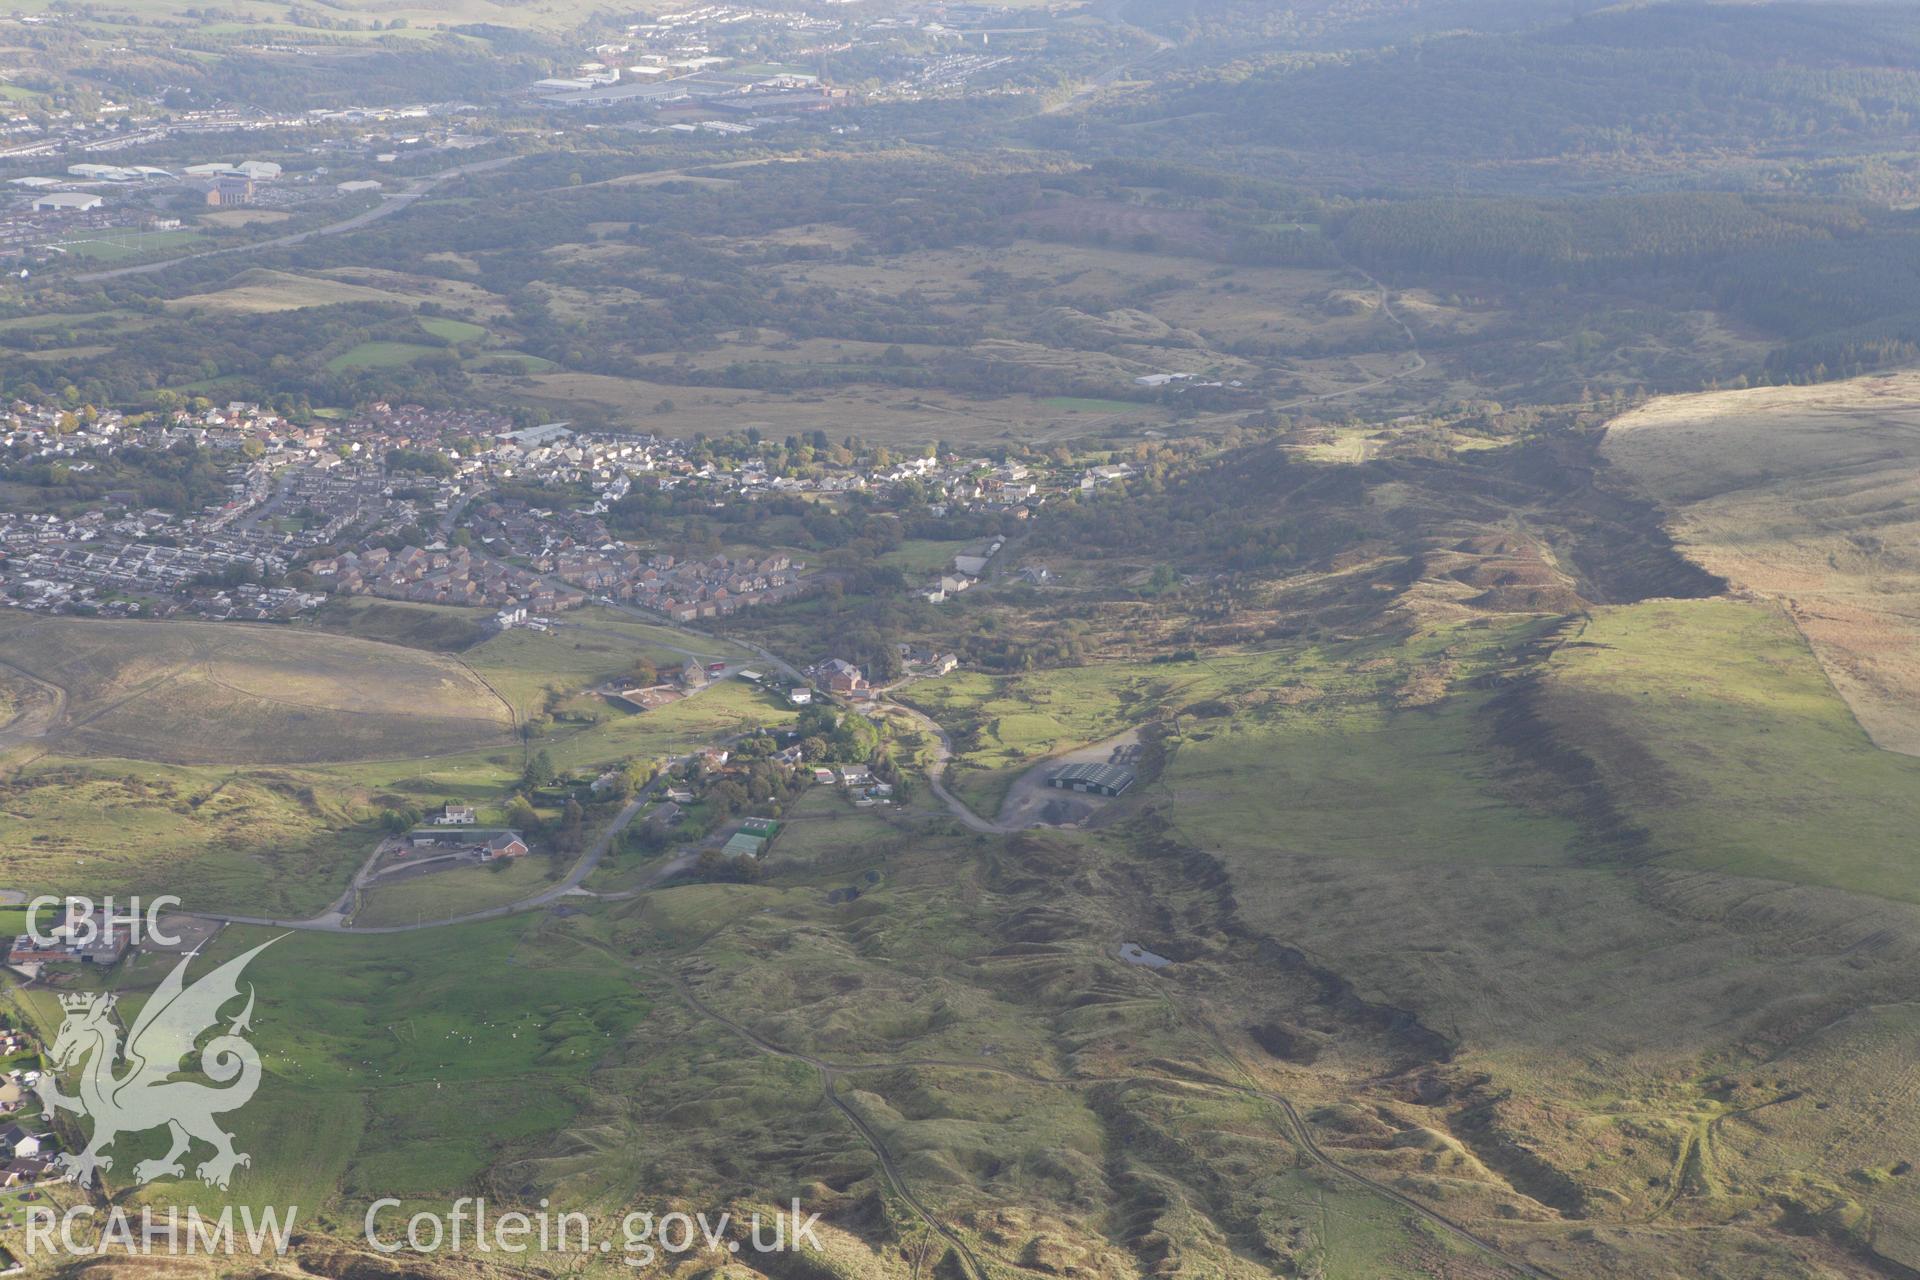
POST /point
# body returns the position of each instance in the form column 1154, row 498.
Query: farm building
column 1099, row 779
column 487, row 843
column 743, row 845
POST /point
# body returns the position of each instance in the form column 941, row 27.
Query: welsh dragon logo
column 147, row 1096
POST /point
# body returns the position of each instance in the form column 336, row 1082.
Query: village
column 430, row 506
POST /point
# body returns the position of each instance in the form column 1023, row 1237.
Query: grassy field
column 1286, row 778
column 721, row 711
column 1268, row 750
column 876, row 414
column 405, row 1064
column 1636, row 958
column 261, row 290
column 380, row 355
column 207, row 692
column 1716, row 729
column 457, row 892
column 115, row 246
column 453, row 330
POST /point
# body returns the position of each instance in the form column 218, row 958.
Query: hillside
column 1807, row 497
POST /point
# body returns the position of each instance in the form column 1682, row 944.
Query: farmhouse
column 842, row 676
column 507, row 844
column 455, row 815
column 1097, row 779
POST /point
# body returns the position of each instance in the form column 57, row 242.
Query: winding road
column 942, row 756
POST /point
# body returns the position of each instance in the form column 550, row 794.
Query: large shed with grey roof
column 1099, row 779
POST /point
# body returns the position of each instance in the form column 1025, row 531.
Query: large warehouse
column 1100, row 779
column 65, row 202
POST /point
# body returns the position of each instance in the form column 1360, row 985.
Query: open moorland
column 1810, row 497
